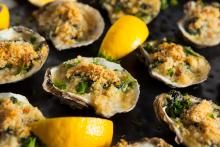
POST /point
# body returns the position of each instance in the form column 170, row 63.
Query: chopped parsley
column 33, row 39
column 177, row 104
column 149, row 48
column 83, row 86
column 189, row 51
column 118, row 7
column 170, row 72
column 29, row 142
column 166, row 3
column 14, row 100
column 60, row 84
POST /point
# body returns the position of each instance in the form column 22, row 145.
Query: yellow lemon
column 124, row 36
column 4, row 17
column 40, row 3
column 74, row 132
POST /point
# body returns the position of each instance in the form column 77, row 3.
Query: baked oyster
column 174, row 64
column 22, row 53
column 146, row 142
column 69, row 24
column 96, row 82
column 195, row 121
column 147, row 10
column 201, row 23
column 16, row 114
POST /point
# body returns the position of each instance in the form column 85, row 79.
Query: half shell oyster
column 201, row 23
column 16, row 116
column 147, row 10
column 69, row 24
column 96, row 82
column 176, row 65
column 194, row 120
column 22, row 53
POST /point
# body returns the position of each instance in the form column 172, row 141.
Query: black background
column 141, row 121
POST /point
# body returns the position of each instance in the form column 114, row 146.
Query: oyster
column 22, row 53
column 147, row 10
column 146, row 142
column 16, row 114
column 96, row 82
column 195, row 121
column 176, row 65
column 201, row 23
column 69, row 24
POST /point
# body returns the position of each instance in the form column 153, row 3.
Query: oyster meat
column 147, row 10
column 22, row 53
column 201, row 23
column 96, row 82
column 195, row 121
column 174, row 64
column 69, row 24
column 146, row 142
column 16, row 114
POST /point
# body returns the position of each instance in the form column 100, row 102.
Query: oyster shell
column 69, row 24
column 147, row 10
column 23, row 53
column 176, row 65
column 194, row 120
column 201, row 23
column 95, row 82
column 16, row 116
column 145, row 142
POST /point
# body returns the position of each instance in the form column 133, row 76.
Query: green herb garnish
column 118, row 7
column 166, row 3
column 14, row 100
column 150, row 49
column 211, row 116
column 170, row 72
column 29, row 142
column 60, row 84
column 33, row 39
column 189, row 51
column 177, row 104
column 83, row 86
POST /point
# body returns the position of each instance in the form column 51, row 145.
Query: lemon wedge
column 40, row 3
column 74, row 132
column 4, row 17
column 124, row 36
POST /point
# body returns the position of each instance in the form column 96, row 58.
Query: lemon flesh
column 74, row 132
column 123, row 37
column 40, row 3
column 4, row 17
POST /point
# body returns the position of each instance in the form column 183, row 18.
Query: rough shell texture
column 145, row 57
column 200, row 42
column 79, row 101
column 91, row 16
column 23, row 34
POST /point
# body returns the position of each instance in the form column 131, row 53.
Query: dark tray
column 140, row 122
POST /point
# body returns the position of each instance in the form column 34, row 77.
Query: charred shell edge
column 84, row 7
column 144, row 57
column 34, row 70
column 159, row 109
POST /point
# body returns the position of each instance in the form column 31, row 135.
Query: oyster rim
column 110, row 13
column 85, row 8
column 43, row 60
column 195, row 39
column 159, row 106
column 74, row 100
column 144, row 54
column 19, row 97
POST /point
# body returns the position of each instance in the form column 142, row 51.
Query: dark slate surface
column 140, row 122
